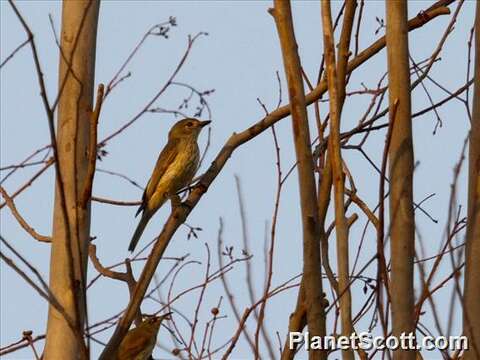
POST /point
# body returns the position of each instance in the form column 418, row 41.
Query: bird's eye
column 189, row 124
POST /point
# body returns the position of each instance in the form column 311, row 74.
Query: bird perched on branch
column 175, row 168
column 140, row 341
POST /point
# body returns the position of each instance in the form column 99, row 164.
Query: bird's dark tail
column 139, row 231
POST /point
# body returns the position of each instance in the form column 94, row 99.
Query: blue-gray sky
column 238, row 59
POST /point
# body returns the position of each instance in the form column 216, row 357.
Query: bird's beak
column 166, row 316
column 204, row 123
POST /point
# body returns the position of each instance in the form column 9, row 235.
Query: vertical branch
column 246, row 245
column 382, row 270
column 226, row 287
column 344, row 49
column 471, row 305
column 402, row 222
column 312, row 279
column 296, row 323
column 269, row 258
column 71, row 220
column 341, row 225
column 92, row 148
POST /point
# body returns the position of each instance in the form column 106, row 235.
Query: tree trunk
column 312, row 278
column 336, row 98
column 402, row 222
column 71, row 216
column 471, row 303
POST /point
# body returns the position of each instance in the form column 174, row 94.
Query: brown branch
column 382, row 272
column 159, row 27
column 248, row 310
column 312, row 276
column 344, row 49
column 401, row 166
column 438, row 9
column 92, row 253
column 296, row 323
column 44, row 96
column 437, row 51
column 27, row 335
column 361, row 204
column 269, row 259
column 30, row 182
column 183, row 59
column 92, row 146
column 115, row 202
column 226, row 287
column 126, row 276
column 120, row 175
column 61, row 187
column 341, row 226
column 443, row 101
column 471, row 308
column 250, row 284
column 20, row 165
column 21, row 220
column 45, row 287
column 427, row 279
column 325, row 189
column 199, row 303
column 245, row 242
column 20, row 344
column 47, row 296
column 17, row 49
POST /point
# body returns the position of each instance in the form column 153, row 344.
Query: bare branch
column 21, row 220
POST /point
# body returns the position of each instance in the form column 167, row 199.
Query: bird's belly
column 178, row 175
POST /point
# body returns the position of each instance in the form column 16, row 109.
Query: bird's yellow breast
column 178, row 174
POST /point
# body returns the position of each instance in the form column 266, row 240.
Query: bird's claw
column 176, row 201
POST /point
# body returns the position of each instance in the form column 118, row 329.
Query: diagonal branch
column 21, row 220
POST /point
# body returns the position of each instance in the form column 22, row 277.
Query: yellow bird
column 175, row 168
column 140, row 341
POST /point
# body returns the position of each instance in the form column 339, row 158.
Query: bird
column 139, row 342
column 175, row 168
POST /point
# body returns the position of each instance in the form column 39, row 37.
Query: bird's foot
column 176, row 201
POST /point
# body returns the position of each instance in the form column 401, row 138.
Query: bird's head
column 187, row 128
column 152, row 323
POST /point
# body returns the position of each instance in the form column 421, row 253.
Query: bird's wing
column 133, row 344
column 166, row 157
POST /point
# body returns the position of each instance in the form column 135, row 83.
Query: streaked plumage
column 140, row 341
column 175, row 168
